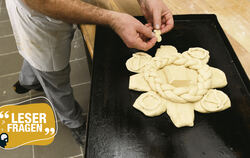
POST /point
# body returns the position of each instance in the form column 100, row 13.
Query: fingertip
column 157, row 26
column 157, row 19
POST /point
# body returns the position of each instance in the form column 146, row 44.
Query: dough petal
column 213, row 101
column 151, row 104
column 138, row 83
column 181, row 114
column 198, row 53
column 138, row 62
column 219, row 79
column 166, row 51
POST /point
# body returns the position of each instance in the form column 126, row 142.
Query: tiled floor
column 64, row 145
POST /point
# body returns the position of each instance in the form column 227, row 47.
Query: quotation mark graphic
column 5, row 115
column 47, row 130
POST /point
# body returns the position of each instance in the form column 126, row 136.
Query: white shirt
column 44, row 42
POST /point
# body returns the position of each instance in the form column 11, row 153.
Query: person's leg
column 27, row 80
column 58, row 90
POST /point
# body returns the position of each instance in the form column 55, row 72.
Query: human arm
column 77, row 11
column 157, row 15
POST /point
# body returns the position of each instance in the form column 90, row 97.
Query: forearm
column 72, row 11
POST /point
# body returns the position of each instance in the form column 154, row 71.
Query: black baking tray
column 116, row 129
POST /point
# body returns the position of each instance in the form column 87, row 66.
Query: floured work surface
column 117, row 129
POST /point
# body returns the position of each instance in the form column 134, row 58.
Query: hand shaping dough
column 150, row 104
column 158, row 35
column 219, row 79
column 213, row 101
column 181, row 114
column 138, row 83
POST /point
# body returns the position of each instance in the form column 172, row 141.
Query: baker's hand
column 133, row 33
column 157, row 15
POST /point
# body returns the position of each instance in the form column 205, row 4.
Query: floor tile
column 5, row 28
column 77, row 50
column 2, row 2
column 78, row 34
column 34, row 93
column 11, row 63
column 6, row 91
column 76, row 156
column 82, row 95
column 4, row 14
column 79, row 72
column 21, row 152
column 16, row 101
column 39, row 99
column 77, row 46
column 63, row 146
column 7, row 44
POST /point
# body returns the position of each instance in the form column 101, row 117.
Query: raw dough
column 166, row 51
column 158, row 35
column 181, row 114
column 219, row 79
column 177, row 76
column 150, row 104
column 198, row 53
column 172, row 93
column 138, row 83
column 177, row 83
column 213, row 101
column 139, row 62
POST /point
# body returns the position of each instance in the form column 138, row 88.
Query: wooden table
column 233, row 17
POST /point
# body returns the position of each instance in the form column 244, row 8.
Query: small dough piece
column 138, row 62
column 177, row 76
column 219, row 79
column 137, row 82
column 213, row 101
column 151, row 104
column 158, row 35
column 166, row 51
column 181, row 114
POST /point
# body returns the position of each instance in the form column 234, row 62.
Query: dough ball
column 181, row 114
column 166, row 51
column 158, row 35
column 138, row 62
column 219, row 79
column 213, row 101
column 137, row 82
column 198, row 53
column 151, row 104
